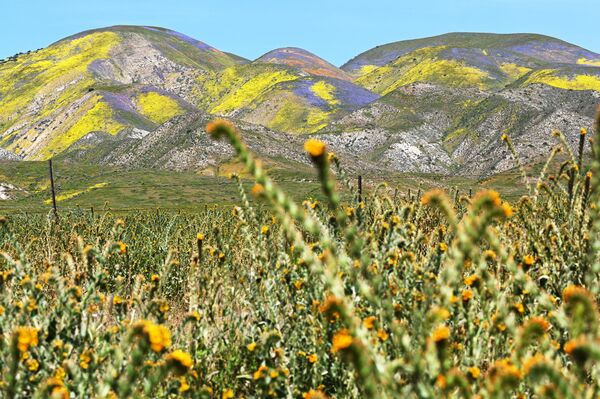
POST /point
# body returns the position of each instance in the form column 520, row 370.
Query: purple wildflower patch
column 119, row 101
column 349, row 95
column 302, row 89
column 352, row 96
column 553, row 51
column 185, row 38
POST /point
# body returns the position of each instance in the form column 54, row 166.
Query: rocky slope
column 424, row 127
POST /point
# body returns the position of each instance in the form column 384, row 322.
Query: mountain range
column 139, row 96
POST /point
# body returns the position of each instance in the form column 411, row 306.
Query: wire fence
column 64, row 185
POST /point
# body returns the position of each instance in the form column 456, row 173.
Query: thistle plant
column 439, row 295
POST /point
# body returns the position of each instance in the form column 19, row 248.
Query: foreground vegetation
column 385, row 297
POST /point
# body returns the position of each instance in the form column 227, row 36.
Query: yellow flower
column 227, row 394
column 505, row 370
column 341, row 340
column 164, row 307
column 528, row 260
column 195, row 315
column 441, row 334
column 183, row 385
column 507, row 210
column 369, row 322
column 467, row 295
column 264, row 230
column 251, row 346
column 158, row 336
column 199, row 236
column 443, row 247
column 471, row 280
column 474, row 372
column 382, row 334
column 519, row 307
column 314, row 394
column 32, row 365
column 315, row 148
column 489, row 255
column 27, row 337
column 583, row 131
column 312, row 358
column 85, row 359
column 180, row 361
column 122, row 248
column 258, row 374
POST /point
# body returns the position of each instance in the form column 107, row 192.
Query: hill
column 481, row 60
column 100, row 80
column 131, row 95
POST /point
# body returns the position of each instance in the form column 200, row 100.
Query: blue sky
column 334, row 29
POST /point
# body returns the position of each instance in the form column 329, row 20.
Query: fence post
column 359, row 189
column 52, row 188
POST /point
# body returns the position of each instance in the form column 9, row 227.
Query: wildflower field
column 438, row 296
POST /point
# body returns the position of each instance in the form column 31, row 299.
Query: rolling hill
column 485, row 61
column 134, row 95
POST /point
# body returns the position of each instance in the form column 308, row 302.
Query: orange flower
column 441, row 334
column 341, row 340
column 369, row 322
column 467, row 295
column 257, row 189
column 315, row 148
column 218, row 126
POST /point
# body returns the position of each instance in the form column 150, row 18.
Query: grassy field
column 80, row 187
column 438, row 295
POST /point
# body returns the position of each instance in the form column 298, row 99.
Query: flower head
column 315, row 148
column 218, row 127
column 341, row 340
column 157, row 336
column 27, row 337
column 180, row 361
column 440, row 335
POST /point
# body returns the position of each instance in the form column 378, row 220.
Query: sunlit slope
column 103, row 80
column 280, row 96
column 484, row 61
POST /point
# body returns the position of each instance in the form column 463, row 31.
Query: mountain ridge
column 137, row 78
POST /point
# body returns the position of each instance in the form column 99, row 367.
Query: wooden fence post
column 359, row 189
column 52, row 188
